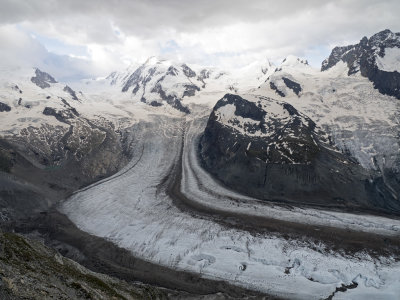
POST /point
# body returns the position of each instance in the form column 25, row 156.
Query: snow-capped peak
column 292, row 61
column 377, row 58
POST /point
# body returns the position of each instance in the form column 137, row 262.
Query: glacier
column 134, row 210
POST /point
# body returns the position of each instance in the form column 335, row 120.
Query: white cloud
column 14, row 44
column 20, row 49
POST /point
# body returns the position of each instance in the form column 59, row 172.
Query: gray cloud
column 143, row 15
column 226, row 32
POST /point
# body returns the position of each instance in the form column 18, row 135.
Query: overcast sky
column 82, row 38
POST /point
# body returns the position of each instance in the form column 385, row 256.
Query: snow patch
column 391, row 61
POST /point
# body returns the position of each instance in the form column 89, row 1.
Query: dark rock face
column 387, row 83
column 71, row 92
column 188, row 71
column 171, row 100
column 335, row 56
column 46, row 164
column 275, row 88
column 285, row 159
column 190, row 90
column 133, row 80
column 61, row 115
column 172, row 71
column 294, row 86
column 4, row 107
column 42, row 79
column 362, row 58
column 49, row 111
column 155, row 103
column 204, row 74
column 139, row 77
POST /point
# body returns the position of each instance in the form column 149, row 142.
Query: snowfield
column 391, row 61
column 357, row 117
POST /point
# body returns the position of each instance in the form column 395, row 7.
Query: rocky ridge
column 269, row 150
column 369, row 58
column 42, row 79
column 158, row 81
column 30, row 270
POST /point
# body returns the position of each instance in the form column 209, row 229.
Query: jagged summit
column 375, row 45
column 385, row 38
column 157, row 81
column 377, row 58
column 42, row 79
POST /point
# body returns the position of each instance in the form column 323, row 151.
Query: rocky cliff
column 269, row 150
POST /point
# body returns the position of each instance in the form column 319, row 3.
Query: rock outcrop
column 267, row 149
column 376, row 58
column 30, row 270
column 4, row 107
column 42, row 79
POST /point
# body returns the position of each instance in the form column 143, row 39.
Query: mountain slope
column 49, row 146
column 267, row 149
column 350, row 109
column 30, row 270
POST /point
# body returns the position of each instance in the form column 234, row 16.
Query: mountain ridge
column 365, row 57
